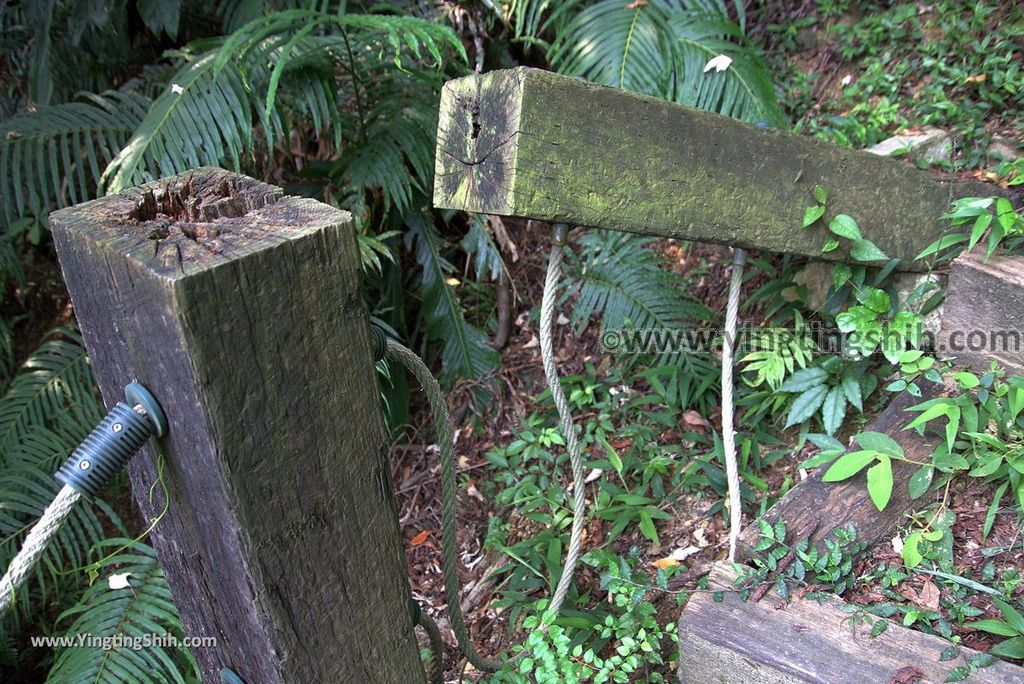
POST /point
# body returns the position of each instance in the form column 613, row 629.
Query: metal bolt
column 560, row 233
column 84, row 465
column 116, row 427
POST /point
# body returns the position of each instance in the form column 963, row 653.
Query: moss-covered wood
column 983, row 315
column 530, row 143
column 820, row 507
column 240, row 310
column 723, row 640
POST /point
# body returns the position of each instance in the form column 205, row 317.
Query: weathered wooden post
column 530, row 143
column 240, row 310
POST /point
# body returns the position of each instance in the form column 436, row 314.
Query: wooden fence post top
column 241, row 310
column 197, row 220
column 535, row 144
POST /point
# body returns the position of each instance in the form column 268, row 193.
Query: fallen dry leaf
column 420, row 538
column 907, row 675
column 665, row 563
column 694, row 419
column 930, row 595
column 474, row 492
column 676, row 557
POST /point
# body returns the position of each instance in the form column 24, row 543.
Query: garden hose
column 445, row 436
column 106, row 450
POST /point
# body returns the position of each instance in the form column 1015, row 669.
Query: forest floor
column 695, row 533
column 822, row 91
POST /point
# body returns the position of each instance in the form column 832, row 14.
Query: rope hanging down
column 442, row 424
column 732, row 472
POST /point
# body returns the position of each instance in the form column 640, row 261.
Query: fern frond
column 625, row 47
column 530, row 19
column 478, row 241
column 661, row 47
column 202, row 118
column 125, row 617
column 743, row 91
column 53, row 157
column 209, row 109
column 54, row 380
column 622, row 281
column 466, row 352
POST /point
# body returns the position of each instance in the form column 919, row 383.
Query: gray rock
column 930, row 145
column 1005, row 148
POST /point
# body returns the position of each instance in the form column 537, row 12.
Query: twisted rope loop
column 445, row 437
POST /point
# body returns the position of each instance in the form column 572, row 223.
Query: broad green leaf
column 967, row 380
column 806, row 404
column 833, row 410
column 879, row 442
column 993, row 508
column 843, row 225
column 880, row 482
column 849, row 465
column 825, row 442
column 993, row 627
column 829, row 246
column 980, row 226
column 931, row 413
column 820, row 193
column 1010, row 614
column 912, row 555
column 1005, row 214
column 920, row 481
column 804, row 379
column 874, row 299
column 841, row 273
column 944, row 242
column 613, row 455
column 952, row 426
column 865, row 250
column 851, row 386
column 647, row 526
column 812, row 214
column 1011, row 648
column 893, row 343
column 819, row 459
column 856, row 318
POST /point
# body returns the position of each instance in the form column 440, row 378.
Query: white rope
column 35, row 544
column 579, row 510
column 732, row 471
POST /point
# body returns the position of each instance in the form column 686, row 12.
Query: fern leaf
column 661, row 47
column 623, row 282
column 52, row 157
column 55, row 379
column 202, row 118
column 124, row 617
column 466, row 351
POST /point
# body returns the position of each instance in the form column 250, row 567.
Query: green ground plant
column 613, row 644
column 954, row 65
